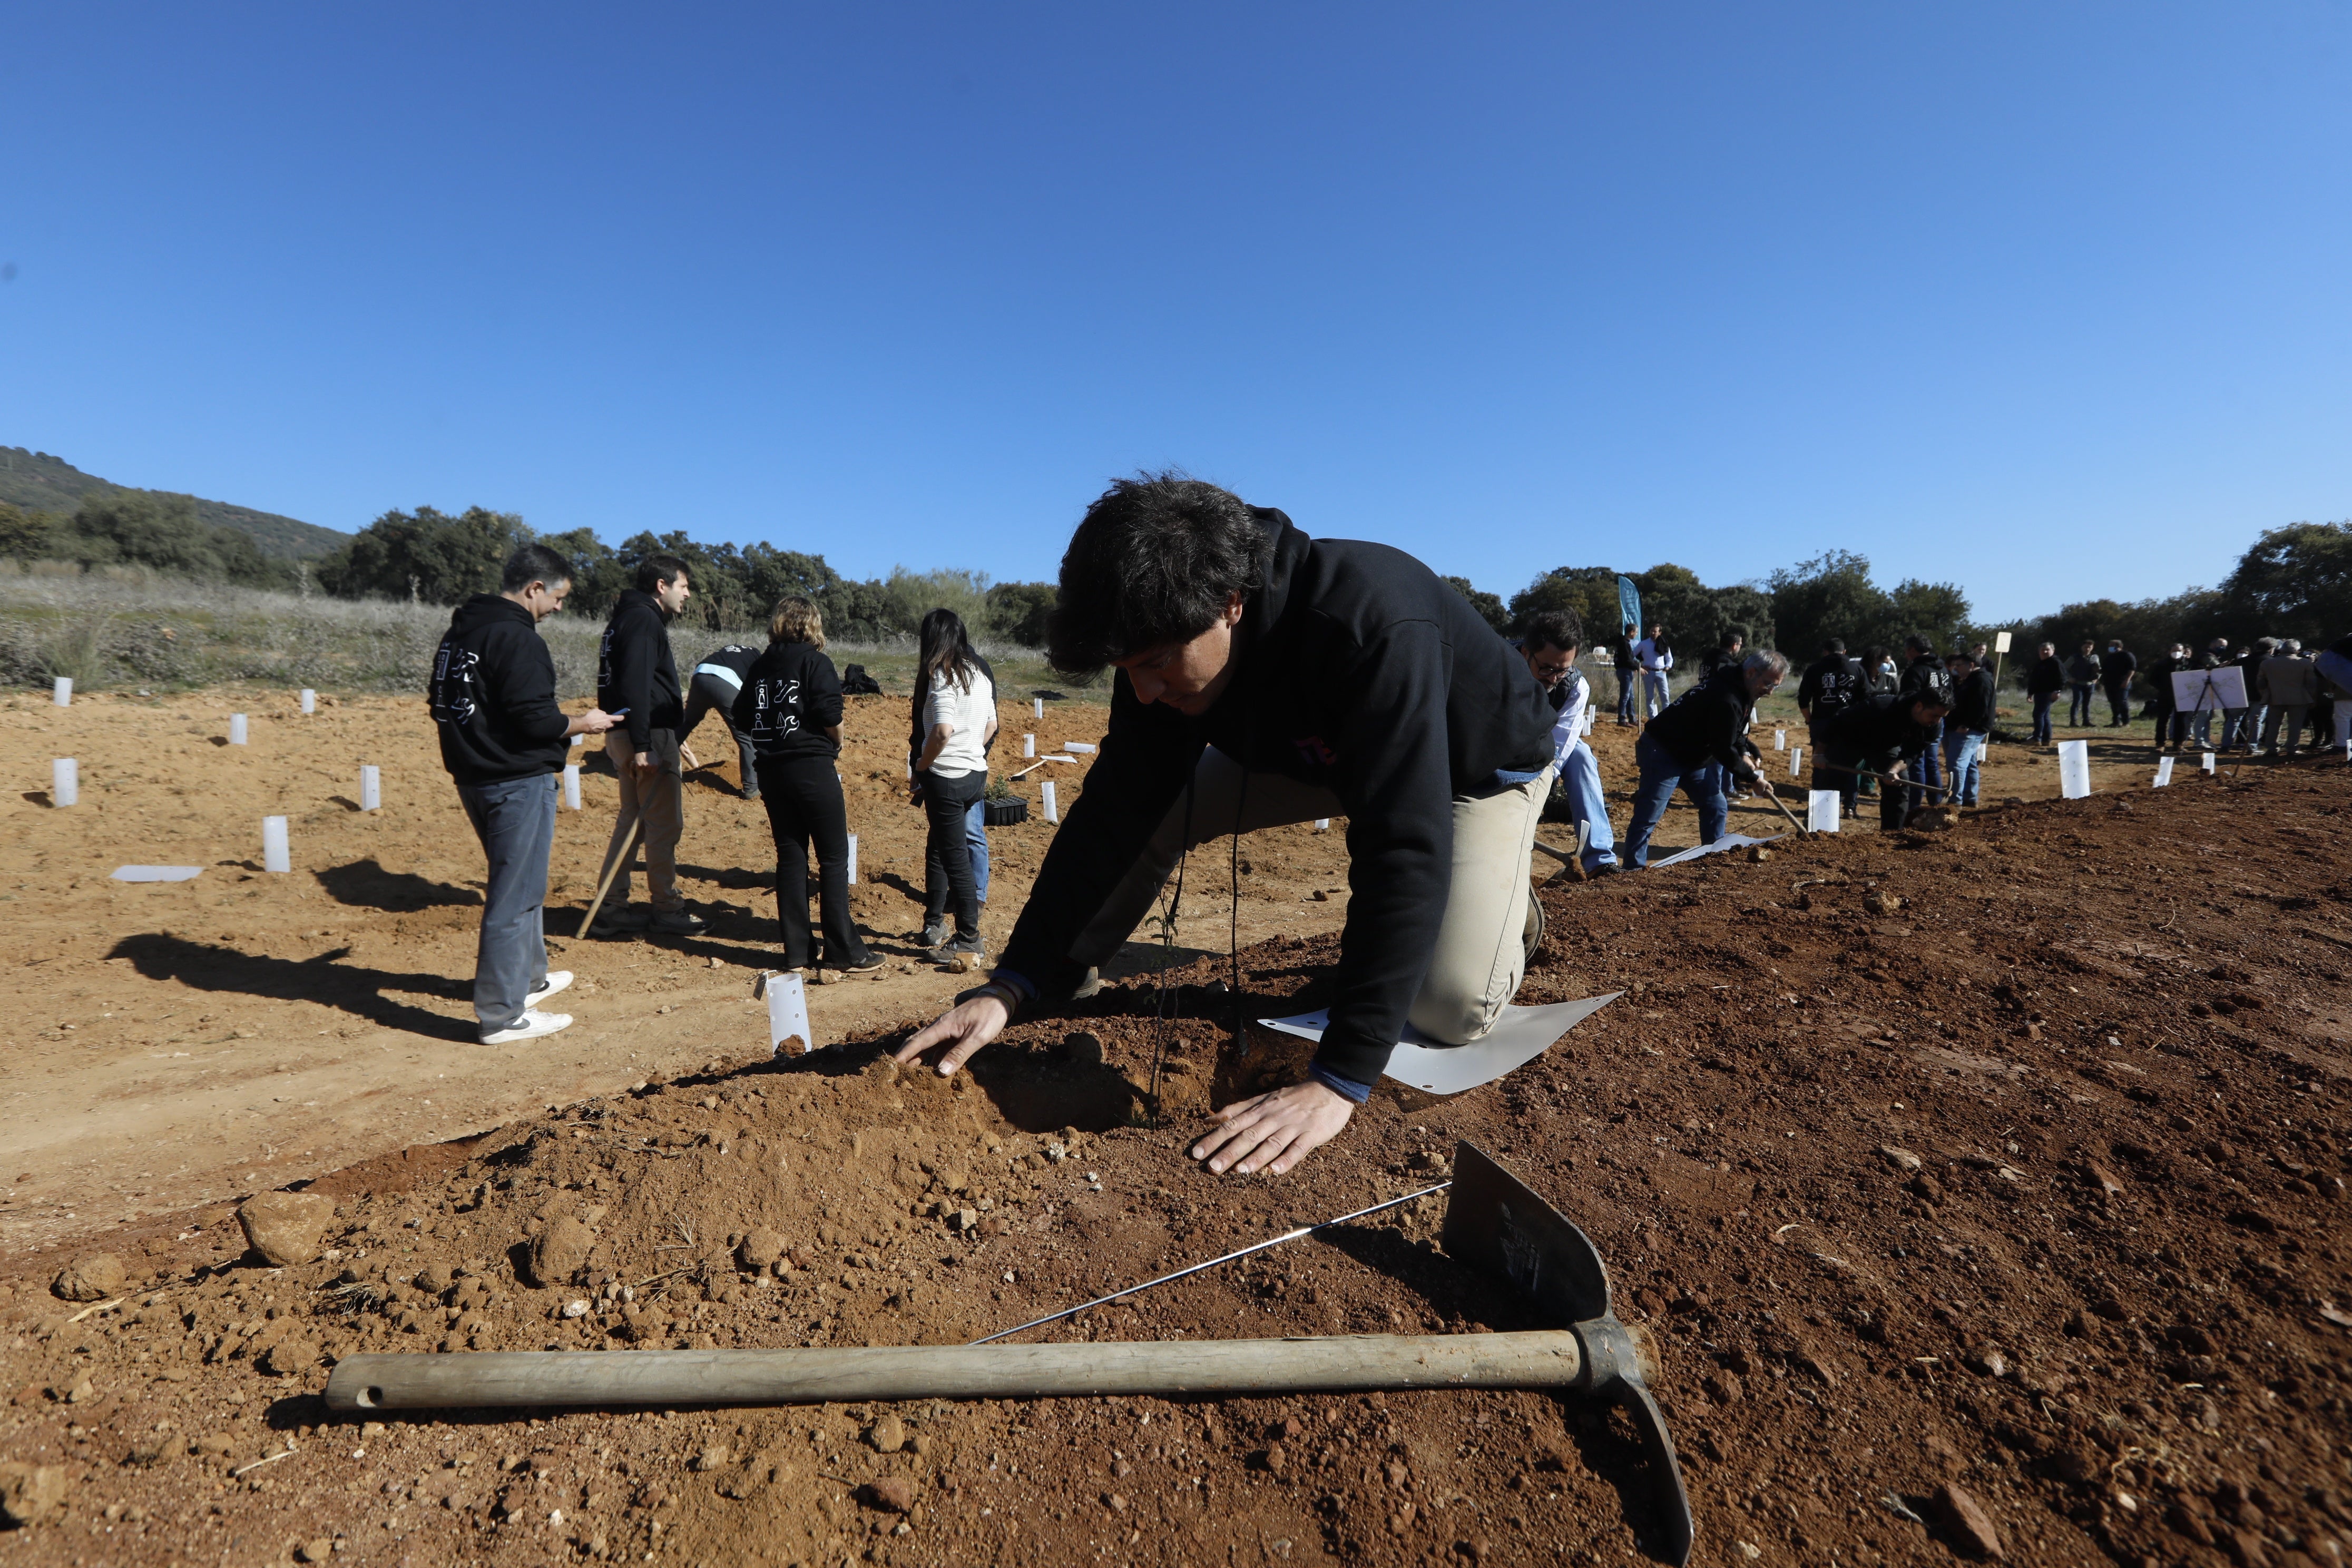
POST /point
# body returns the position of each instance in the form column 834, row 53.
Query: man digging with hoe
column 1266, row 678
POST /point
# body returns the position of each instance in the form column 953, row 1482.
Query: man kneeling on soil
column 1266, row 678
column 502, row 739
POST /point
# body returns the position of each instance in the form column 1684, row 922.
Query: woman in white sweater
column 958, row 720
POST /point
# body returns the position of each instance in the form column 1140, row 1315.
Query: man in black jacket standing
column 636, row 682
column 1268, row 677
column 1628, row 669
column 1965, row 730
column 2116, row 669
column 503, row 738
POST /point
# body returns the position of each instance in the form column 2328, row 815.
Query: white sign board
column 788, row 1017
column 2196, row 690
column 2074, row 769
column 1520, row 1036
column 1822, row 810
column 2163, row 773
column 2000, row 642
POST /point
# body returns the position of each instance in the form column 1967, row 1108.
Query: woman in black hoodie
column 791, row 707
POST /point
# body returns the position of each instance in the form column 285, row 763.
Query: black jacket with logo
column 1831, row 682
column 635, row 670
column 791, row 696
column 1358, row 670
column 1926, row 676
column 1879, row 731
column 493, row 695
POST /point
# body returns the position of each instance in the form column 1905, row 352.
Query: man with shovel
column 1885, row 737
column 1268, row 677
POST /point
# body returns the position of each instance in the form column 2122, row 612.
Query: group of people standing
column 503, row 739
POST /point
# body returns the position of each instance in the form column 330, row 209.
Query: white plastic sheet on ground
column 1521, row 1035
column 788, row 1013
column 1822, row 810
column 157, row 873
column 2163, row 773
column 1077, row 746
column 2074, row 769
column 1729, row 841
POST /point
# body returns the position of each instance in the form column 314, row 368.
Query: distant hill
column 39, row 482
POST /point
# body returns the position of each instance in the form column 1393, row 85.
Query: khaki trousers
column 659, row 800
column 1481, row 954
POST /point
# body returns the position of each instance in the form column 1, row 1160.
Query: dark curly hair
column 1153, row 562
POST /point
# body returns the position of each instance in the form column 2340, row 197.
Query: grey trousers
column 515, row 820
column 1480, row 956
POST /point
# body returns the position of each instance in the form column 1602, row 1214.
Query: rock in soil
column 31, row 1493
column 892, row 1494
column 284, row 1228
column 561, row 1250
column 92, row 1278
column 761, row 1248
column 1972, row 1527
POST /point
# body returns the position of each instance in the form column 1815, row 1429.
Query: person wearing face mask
column 636, row 681
column 1265, row 678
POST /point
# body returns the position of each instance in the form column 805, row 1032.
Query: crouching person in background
column 503, row 739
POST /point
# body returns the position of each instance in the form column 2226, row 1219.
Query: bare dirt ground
column 2009, row 1157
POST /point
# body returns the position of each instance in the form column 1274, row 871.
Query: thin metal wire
column 1291, row 1235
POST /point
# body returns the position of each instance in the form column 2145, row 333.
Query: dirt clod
column 761, row 1248
column 561, row 1250
column 31, row 1493
column 887, row 1435
column 1972, row 1527
column 891, row 1494
column 284, row 1228
column 94, row 1276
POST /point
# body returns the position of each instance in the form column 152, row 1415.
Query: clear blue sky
column 2046, row 300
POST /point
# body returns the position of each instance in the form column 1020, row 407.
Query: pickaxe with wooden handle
column 1494, row 1222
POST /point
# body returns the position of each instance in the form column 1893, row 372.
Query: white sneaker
column 529, row 1026
column 557, row 979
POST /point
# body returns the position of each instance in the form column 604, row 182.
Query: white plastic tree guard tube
column 1053, row 809
column 65, row 782
column 275, row 854
column 237, row 729
column 371, row 787
column 2074, row 769
column 1525, row 1359
column 572, row 787
column 1796, row 761
column 1822, row 810
column 853, row 860
column 61, row 693
column 309, row 700
column 2163, row 773
column 1028, row 745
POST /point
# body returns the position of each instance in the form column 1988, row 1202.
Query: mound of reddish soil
column 1979, row 1183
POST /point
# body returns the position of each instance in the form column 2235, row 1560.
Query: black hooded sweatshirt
column 1362, row 672
column 1972, row 700
column 493, row 695
column 1711, row 720
column 635, row 670
column 790, row 697
column 1879, row 730
column 1925, row 676
column 1831, row 682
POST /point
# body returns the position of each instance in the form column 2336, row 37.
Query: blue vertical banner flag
column 1628, row 604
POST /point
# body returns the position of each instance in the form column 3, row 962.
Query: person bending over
column 714, row 687
column 1887, row 736
column 1550, row 646
column 1266, row 678
column 1700, row 738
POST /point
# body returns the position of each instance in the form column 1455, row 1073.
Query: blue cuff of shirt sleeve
column 1346, row 1089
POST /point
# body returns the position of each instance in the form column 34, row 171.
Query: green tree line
column 141, row 527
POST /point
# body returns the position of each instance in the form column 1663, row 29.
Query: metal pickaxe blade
column 1497, row 1222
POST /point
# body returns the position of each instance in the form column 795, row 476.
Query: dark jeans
column 2078, row 706
column 1661, row 776
column 1625, row 680
column 2167, row 728
column 804, row 808
column 515, row 820
column 704, row 693
column 2118, row 705
column 1893, row 808
column 2042, row 731
column 1926, row 771
column 947, row 881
